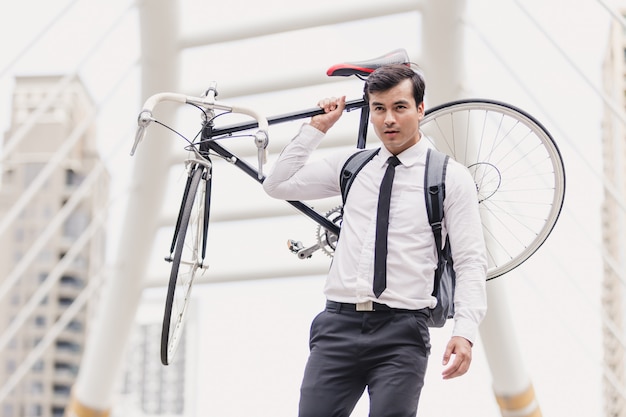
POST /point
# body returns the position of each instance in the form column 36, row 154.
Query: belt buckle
column 365, row 306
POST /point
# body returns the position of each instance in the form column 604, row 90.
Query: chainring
column 326, row 239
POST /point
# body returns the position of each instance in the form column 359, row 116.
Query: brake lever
column 261, row 140
column 143, row 120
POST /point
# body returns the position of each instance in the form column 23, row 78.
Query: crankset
column 326, row 240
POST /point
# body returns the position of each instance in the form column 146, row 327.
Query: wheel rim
column 517, row 168
column 186, row 266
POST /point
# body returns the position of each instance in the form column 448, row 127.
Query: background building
column 46, row 260
column 148, row 388
column 614, row 223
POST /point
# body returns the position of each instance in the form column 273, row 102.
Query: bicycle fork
column 207, row 174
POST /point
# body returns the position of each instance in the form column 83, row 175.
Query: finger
column 451, row 348
column 323, row 104
column 457, row 368
column 327, row 104
column 341, row 103
column 450, row 369
column 333, row 103
column 447, row 355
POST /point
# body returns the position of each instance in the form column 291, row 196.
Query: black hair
column 388, row 76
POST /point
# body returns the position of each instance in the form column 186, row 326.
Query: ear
column 420, row 110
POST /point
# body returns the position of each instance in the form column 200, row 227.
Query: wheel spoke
column 517, row 169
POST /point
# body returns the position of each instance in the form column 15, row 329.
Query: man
column 386, row 347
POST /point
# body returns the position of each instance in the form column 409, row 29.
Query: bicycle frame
column 208, row 143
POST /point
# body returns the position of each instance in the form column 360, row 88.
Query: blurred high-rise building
column 53, row 196
column 613, row 226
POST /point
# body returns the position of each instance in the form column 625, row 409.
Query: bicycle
column 517, row 167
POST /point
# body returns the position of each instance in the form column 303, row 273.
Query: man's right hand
column 333, row 109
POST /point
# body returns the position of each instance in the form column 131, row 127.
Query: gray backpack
column 434, row 193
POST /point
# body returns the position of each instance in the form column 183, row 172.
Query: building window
column 9, row 177
column 65, row 301
column 34, row 410
column 58, row 411
column 75, row 225
column 70, row 281
column 36, row 387
column 65, row 368
column 71, row 178
column 63, row 390
column 65, row 346
column 38, row 366
column 75, row 326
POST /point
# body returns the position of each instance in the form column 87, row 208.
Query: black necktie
column 382, row 224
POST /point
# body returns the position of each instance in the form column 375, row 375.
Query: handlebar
column 261, row 137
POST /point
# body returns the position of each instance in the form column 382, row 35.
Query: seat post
column 363, row 124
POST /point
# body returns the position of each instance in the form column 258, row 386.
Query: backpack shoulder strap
column 352, row 167
column 435, row 190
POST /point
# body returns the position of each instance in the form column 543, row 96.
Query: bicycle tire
column 518, row 171
column 185, row 265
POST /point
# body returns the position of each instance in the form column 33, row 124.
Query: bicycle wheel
column 517, row 168
column 186, row 264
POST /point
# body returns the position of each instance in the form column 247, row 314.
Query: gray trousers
column 385, row 351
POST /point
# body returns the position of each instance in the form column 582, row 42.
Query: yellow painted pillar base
column 77, row 409
column 523, row 404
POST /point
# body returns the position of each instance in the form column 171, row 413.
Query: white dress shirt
column 412, row 255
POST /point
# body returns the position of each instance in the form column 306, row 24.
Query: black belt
column 336, row 307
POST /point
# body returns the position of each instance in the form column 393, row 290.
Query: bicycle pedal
column 294, row 246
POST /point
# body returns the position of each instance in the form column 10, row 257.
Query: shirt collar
column 409, row 156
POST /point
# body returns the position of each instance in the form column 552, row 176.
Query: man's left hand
column 461, row 348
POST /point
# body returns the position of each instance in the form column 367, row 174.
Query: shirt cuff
column 311, row 131
column 466, row 329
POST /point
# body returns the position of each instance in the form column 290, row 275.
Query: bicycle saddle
column 364, row 68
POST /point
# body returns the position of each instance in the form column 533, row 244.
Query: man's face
column 396, row 117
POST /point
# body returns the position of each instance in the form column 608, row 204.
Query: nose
column 389, row 118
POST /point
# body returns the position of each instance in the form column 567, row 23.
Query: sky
column 542, row 56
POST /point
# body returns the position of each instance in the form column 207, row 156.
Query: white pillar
column 444, row 67
column 511, row 384
column 104, row 352
column 443, row 49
